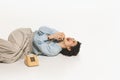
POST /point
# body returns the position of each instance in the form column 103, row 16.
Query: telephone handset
column 55, row 40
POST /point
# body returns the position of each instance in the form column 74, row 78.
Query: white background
column 95, row 23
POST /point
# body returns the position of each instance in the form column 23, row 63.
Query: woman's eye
column 73, row 41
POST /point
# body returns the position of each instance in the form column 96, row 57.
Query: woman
column 45, row 41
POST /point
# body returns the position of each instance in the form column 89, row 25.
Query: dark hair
column 74, row 50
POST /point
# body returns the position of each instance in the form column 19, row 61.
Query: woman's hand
column 58, row 36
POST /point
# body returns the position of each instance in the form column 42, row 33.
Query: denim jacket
column 41, row 45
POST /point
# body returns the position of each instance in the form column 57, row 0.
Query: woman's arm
column 46, row 30
column 45, row 33
column 48, row 49
column 41, row 35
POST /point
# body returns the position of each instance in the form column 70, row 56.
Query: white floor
column 96, row 23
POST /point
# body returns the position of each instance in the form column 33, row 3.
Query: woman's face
column 70, row 42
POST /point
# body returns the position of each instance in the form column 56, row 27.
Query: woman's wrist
column 49, row 37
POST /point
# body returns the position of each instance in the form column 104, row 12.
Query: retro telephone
column 31, row 60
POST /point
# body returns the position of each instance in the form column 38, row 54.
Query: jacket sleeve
column 49, row 49
column 40, row 38
column 46, row 30
column 42, row 34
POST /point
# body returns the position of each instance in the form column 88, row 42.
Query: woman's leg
column 16, row 46
column 7, row 50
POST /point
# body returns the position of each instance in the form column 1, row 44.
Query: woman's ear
column 68, row 48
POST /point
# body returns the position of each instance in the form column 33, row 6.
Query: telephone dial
column 31, row 60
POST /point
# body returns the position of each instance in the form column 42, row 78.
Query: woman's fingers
column 61, row 36
column 58, row 36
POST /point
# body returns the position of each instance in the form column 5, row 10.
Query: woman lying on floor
column 45, row 41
